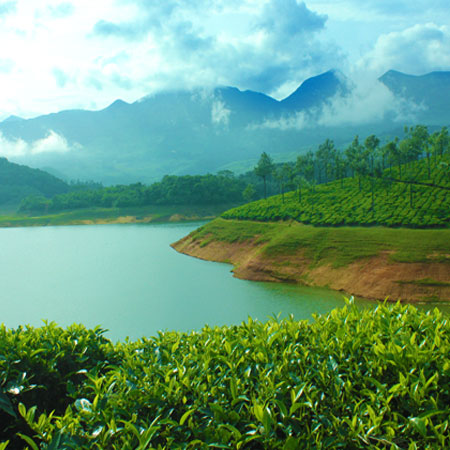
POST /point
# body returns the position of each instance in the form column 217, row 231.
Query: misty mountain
column 430, row 92
column 197, row 131
column 314, row 92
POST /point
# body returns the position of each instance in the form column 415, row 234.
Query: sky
column 58, row 55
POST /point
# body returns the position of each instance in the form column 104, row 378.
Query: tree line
column 365, row 161
column 368, row 161
column 222, row 188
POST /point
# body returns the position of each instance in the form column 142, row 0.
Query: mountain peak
column 117, row 104
column 316, row 90
column 13, row 119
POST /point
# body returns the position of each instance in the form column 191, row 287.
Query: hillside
column 413, row 200
column 350, row 234
column 18, row 182
column 204, row 130
column 371, row 378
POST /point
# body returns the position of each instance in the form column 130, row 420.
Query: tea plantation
column 401, row 196
column 375, row 378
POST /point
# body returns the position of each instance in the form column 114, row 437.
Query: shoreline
column 101, row 216
column 374, row 277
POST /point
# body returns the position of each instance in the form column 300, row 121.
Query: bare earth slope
column 373, row 263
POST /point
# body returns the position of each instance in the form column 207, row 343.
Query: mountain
column 18, row 181
column 315, row 91
column 430, row 93
column 202, row 130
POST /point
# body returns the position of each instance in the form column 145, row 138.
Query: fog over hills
column 206, row 130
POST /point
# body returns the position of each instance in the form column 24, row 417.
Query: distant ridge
column 205, row 130
column 13, row 119
column 431, row 92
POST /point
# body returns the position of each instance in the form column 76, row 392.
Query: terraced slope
column 411, row 200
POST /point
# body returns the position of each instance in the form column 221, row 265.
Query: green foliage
column 338, row 246
column 44, row 368
column 380, row 201
column 171, row 190
column 372, row 378
column 152, row 213
column 17, row 182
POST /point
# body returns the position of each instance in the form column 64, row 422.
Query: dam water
column 128, row 280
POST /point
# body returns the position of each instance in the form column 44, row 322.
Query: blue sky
column 85, row 54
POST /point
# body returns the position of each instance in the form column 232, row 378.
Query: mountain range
column 206, row 130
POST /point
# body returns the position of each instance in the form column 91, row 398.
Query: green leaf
column 6, row 405
column 185, row 416
column 420, row 425
column 29, row 441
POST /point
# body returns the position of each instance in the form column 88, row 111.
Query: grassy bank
column 370, row 262
column 145, row 214
column 376, row 378
column 338, row 246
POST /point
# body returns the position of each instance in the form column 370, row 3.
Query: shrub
column 372, row 378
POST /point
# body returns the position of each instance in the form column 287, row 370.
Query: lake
column 128, row 280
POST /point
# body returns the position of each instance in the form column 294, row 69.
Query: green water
column 127, row 279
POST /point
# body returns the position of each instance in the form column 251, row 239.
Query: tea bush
column 373, row 378
column 343, row 203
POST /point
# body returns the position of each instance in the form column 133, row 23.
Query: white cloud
column 86, row 55
column 53, row 143
column 220, row 114
column 368, row 101
column 416, row 50
column 65, row 54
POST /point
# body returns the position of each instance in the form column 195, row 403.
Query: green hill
column 412, row 199
column 18, row 182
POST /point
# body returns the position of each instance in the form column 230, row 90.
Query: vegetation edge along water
column 355, row 378
column 359, row 235
column 369, row 262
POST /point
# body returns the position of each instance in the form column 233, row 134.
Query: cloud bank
column 53, row 143
column 69, row 54
column 415, row 50
column 369, row 101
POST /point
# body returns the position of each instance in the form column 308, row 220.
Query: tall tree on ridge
column 325, row 156
column 264, row 169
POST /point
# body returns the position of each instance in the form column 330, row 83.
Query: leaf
column 291, row 444
column 185, row 416
column 56, row 441
column 29, row 441
column 420, row 425
column 6, row 405
column 83, row 405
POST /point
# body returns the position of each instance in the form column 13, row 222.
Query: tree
column 393, row 154
column 249, row 193
column 325, row 156
column 264, row 169
column 339, row 168
column 371, row 144
column 284, row 175
column 305, row 165
column 357, row 159
column 440, row 142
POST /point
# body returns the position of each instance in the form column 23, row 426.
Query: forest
column 369, row 163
